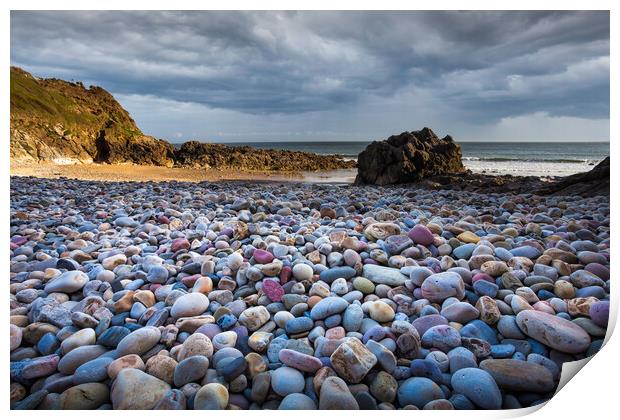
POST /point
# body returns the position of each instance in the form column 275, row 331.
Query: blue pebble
column 519, row 356
column 564, row 315
column 545, row 294
column 298, row 325
column 503, row 254
column 479, row 387
column 112, row 336
column 594, row 291
column 419, row 392
column 132, row 326
column 464, row 251
column 95, row 370
column 461, row 402
column 376, row 333
column 526, row 251
column 331, row 274
column 479, row 329
column 502, row 351
column 486, row 288
column 333, row 320
column 538, row 347
column 226, row 321
column 48, row 344
column 426, row 369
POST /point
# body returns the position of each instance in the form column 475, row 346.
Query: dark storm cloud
column 483, row 66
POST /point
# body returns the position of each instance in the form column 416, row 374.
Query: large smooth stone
column 419, row 392
column 553, row 331
column 77, row 357
column 191, row 304
column 352, row 361
column 479, row 386
column 139, row 341
column 68, row 282
column 189, row 370
column 384, row 275
column 212, row 396
column 329, row 306
column 331, row 274
column 517, row 375
column 461, row 312
column 297, row 402
column 420, row 234
column 87, row 396
column 442, row 337
column 136, row 390
column 335, row 395
column 254, row 318
column 441, row 286
column 286, row 380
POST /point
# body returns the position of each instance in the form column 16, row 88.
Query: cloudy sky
column 278, row 76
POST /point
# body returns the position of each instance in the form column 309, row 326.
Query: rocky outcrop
column 408, row 157
column 64, row 122
column 587, row 184
column 211, row 155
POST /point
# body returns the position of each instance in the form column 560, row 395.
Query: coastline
column 133, row 172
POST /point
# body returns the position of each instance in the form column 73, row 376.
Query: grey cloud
column 481, row 66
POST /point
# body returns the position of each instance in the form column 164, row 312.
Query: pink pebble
column 482, row 276
column 273, row 290
column 179, row 244
column 263, row 257
column 285, row 274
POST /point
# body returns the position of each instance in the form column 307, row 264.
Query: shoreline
column 133, row 172
column 587, row 184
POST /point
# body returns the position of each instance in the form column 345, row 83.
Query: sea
column 543, row 159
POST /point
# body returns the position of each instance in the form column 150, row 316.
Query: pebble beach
column 298, row 296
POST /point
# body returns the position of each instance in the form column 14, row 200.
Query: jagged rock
column 587, row 184
column 210, row 155
column 408, row 157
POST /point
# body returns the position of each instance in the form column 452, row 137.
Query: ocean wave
column 528, row 159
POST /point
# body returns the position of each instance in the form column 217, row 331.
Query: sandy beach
column 130, row 172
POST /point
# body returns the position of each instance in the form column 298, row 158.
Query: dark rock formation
column 587, row 184
column 63, row 122
column 211, row 155
column 408, row 157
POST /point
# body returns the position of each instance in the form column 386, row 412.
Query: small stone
column 286, row 380
column 189, row 305
column 479, row 386
column 520, row 376
column 136, row 390
column 300, row 361
column 68, row 282
column 381, row 311
column 139, row 341
column 297, row 402
column 441, row 286
column 88, row 396
column 418, row 392
column 335, row 395
column 384, row 275
column 191, row 369
column 352, row 361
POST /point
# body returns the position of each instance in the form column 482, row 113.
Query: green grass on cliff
column 48, row 102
